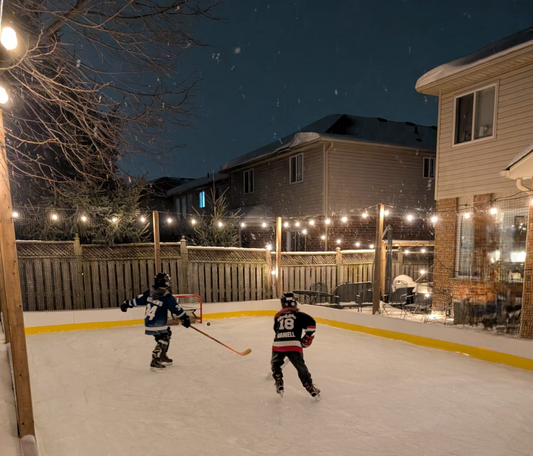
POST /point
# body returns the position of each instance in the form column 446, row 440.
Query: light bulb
column 83, row 218
column 410, row 218
column 323, row 237
column 357, row 244
column 54, row 217
column 4, row 97
column 286, row 224
column 15, row 214
column 264, row 225
column 193, row 221
column 344, row 219
column 434, row 219
column 371, row 246
column 327, row 221
column 143, row 219
column 304, row 231
column 243, row 225
column 364, row 215
column 311, row 222
column 8, row 38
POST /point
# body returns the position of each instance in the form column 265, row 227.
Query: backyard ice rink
column 95, row 395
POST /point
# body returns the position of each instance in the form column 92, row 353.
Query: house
column 483, row 158
column 339, row 167
column 156, row 198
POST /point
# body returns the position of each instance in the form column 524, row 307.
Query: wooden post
column 267, row 275
column 157, row 245
column 183, row 278
column 13, row 303
column 279, row 286
column 3, row 305
column 376, row 286
column 338, row 262
column 77, row 270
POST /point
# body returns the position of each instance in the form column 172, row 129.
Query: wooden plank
column 128, row 281
column 68, row 285
column 227, row 275
column 201, row 280
column 151, row 273
column 234, row 283
column 104, row 287
column 97, row 300
column 240, row 273
column 174, row 275
column 258, row 281
column 30, row 283
column 57, row 287
column 121, row 292
column 112, row 284
column 209, row 295
column 136, row 284
column 87, row 285
column 23, row 287
column 222, row 283
column 48, row 284
column 77, row 283
column 253, row 279
column 143, row 270
column 247, row 294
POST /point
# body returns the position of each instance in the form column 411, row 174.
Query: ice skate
column 166, row 360
column 313, row 390
column 156, row 365
column 279, row 385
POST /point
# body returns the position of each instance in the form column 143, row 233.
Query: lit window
column 429, row 167
column 202, row 200
column 248, row 177
column 296, row 171
column 474, row 115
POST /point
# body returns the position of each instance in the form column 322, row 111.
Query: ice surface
column 9, row 443
column 94, row 395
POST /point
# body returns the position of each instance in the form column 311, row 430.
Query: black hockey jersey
column 289, row 326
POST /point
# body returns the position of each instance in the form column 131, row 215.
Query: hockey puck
column 208, row 323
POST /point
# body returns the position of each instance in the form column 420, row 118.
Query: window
column 248, row 177
column 296, row 172
column 202, row 200
column 465, row 244
column 296, row 242
column 429, row 167
column 474, row 115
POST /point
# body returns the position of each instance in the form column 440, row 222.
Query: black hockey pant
column 163, row 342
column 297, row 360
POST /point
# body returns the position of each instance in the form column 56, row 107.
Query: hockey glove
column 307, row 341
column 124, row 306
column 186, row 321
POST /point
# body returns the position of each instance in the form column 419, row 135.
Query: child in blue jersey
column 158, row 301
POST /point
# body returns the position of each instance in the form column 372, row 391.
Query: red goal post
column 192, row 304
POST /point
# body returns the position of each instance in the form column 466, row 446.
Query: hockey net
column 192, row 304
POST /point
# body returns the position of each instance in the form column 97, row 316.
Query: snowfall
column 94, row 395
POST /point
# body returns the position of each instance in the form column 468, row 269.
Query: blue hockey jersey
column 158, row 302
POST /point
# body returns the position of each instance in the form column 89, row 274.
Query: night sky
column 276, row 65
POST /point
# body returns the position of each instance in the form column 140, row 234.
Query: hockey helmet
column 162, row 280
column 289, row 300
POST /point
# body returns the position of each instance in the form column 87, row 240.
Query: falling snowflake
column 78, row 63
column 237, row 50
column 336, row 92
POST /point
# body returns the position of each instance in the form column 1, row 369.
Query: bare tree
column 93, row 81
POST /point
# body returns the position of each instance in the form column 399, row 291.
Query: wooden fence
column 67, row 275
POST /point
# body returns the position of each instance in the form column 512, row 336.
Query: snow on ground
column 94, row 395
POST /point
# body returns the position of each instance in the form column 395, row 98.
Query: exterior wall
column 526, row 320
column 362, row 175
column 473, row 168
column 193, row 198
column 272, row 188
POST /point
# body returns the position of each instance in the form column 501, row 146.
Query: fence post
column 183, row 277
column 267, row 276
column 77, row 283
column 338, row 262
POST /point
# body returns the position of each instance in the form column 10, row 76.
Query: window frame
column 290, row 168
column 201, row 199
column 248, row 172
column 494, row 114
column 424, row 167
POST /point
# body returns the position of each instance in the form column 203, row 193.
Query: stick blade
column 246, row 352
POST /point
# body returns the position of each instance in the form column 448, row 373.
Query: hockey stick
column 244, row 353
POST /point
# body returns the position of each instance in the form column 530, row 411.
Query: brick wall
column 526, row 322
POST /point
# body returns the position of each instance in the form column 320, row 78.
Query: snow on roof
column 197, row 183
column 346, row 127
column 520, row 156
column 497, row 49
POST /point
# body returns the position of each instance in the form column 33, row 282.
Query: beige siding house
column 485, row 120
column 338, row 166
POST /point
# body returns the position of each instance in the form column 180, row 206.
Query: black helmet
column 162, row 280
column 289, row 300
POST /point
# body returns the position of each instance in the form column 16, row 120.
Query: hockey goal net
column 192, row 304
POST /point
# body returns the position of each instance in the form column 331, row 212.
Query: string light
column 220, row 224
column 386, row 212
column 406, row 252
column 327, row 221
column 338, row 241
column 15, row 214
column 286, row 224
column 54, row 216
column 269, row 247
column 114, row 220
column 493, row 210
column 422, row 271
column 434, row 219
column 193, row 221
column 467, row 215
column 297, row 224
column 410, row 218
column 311, row 222
column 169, row 220
column 143, row 219
column 344, row 219
column 423, row 250
column 358, row 244
column 364, row 215
column 304, row 232
column 83, row 218
column 264, row 225
column 371, row 246
column 323, row 237
column 243, row 225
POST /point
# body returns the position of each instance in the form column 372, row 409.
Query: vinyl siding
column 362, row 175
column 473, row 168
column 272, row 188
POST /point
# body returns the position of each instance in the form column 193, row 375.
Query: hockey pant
column 297, row 360
column 163, row 342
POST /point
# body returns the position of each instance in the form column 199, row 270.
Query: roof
column 521, row 166
column 197, row 183
column 486, row 54
column 347, row 127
